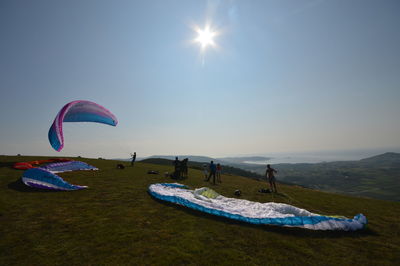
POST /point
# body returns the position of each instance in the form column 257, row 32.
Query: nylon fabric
column 271, row 213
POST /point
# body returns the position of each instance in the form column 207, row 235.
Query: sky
column 284, row 76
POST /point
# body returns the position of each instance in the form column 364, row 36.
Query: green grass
column 116, row 222
column 375, row 177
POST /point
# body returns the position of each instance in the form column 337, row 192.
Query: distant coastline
column 322, row 156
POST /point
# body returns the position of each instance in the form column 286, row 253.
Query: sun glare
column 205, row 37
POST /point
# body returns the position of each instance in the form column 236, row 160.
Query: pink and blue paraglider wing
column 78, row 111
column 61, row 167
column 41, row 178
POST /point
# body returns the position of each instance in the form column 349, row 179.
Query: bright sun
column 205, row 37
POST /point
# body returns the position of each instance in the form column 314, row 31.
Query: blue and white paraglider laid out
column 280, row 214
column 61, row 167
column 45, row 178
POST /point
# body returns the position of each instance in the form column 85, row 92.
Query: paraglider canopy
column 78, row 111
column 33, row 164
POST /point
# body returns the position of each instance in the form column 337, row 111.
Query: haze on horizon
column 285, row 76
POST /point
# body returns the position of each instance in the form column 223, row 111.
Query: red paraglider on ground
column 33, row 164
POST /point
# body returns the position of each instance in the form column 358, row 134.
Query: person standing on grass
column 271, row 178
column 219, row 169
column 177, row 171
column 205, row 171
column 213, row 170
column 133, row 158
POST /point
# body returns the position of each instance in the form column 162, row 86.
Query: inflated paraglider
column 209, row 201
column 78, row 111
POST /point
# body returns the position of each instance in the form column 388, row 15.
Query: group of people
column 212, row 170
column 181, row 168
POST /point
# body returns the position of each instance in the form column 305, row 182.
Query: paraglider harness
column 120, row 166
column 264, row 190
column 238, row 193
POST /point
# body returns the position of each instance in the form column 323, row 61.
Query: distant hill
column 195, row 158
column 247, row 163
column 245, row 159
column 389, row 159
column 376, row 177
column 226, row 169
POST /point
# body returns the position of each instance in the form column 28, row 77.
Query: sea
column 320, row 156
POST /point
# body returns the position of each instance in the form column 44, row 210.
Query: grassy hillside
column 376, row 177
column 116, row 222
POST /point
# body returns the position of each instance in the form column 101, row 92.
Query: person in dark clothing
column 133, row 158
column 184, row 168
column 271, row 178
column 213, row 170
column 177, row 171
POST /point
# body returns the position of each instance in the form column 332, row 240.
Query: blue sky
column 287, row 76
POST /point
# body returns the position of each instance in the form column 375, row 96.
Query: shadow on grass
column 7, row 164
column 18, row 185
column 293, row 231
